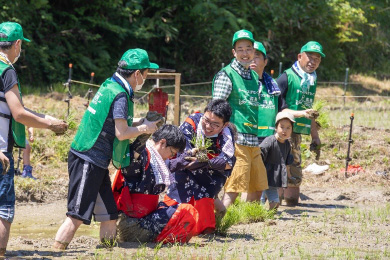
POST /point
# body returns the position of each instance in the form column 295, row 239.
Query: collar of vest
column 125, row 85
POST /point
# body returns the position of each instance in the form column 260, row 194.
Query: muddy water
column 34, row 221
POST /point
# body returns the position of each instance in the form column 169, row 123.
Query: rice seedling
column 242, row 212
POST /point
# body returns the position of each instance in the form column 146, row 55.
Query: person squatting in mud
column 199, row 182
column 137, row 187
column 188, row 207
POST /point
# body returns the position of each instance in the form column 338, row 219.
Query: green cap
column 136, row 59
column 260, row 47
column 13, row 31
column 243, row 35
column 313, row 46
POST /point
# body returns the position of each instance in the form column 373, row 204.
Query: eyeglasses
column 173, row 153
column 211, row 124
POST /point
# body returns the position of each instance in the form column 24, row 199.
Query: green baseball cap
column 242, row 35
column 313, row 46
column 260, row 47
column 136, row 59
column 13, row 31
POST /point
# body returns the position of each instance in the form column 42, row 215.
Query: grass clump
column 242, row 213
column 323, row 118
column 31, row 190
column 203, row 144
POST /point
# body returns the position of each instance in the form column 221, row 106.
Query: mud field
column 346, row 221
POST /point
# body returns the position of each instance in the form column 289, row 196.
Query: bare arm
column 137, row 121
column 299, row 113
column 123, row 131
column 23, row 115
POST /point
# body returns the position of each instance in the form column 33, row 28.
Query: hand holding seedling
column 148, row 127
column 310, row 113
column 5, row 162
column 193, row 153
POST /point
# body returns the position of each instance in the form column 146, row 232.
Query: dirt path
column 330, row 222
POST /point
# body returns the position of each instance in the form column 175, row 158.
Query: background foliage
column 194, row 36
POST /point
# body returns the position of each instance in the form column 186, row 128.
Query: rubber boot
column 291, row 196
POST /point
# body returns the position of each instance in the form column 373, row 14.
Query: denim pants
column 7, row 190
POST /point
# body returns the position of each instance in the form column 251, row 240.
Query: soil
column 337, row 217
column 317, row 227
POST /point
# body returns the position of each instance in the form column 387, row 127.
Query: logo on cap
column 315, row 47
column 243, row 34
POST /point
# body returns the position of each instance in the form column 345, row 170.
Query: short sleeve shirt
column 9, row 79
column 283, row 86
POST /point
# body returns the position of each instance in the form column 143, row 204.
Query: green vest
column 92, row 123
column 18, row 129
column 243, row 100
column 297, row 100
column 267, row 113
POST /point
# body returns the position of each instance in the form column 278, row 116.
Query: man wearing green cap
column 268, row 97
column 103, row 135
column 298, row 86
column 13, row 118
column 238, row 84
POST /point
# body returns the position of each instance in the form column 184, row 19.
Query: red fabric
column 212, row 155
column 169, row 201
column 136, row 205
column 205, row 208
column 191, row 122
column 117, row 185
column 181, row 227
column 206, row 223
column 354, row 169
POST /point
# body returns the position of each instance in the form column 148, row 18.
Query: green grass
column 242, row 213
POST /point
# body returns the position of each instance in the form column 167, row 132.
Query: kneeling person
column 199, row 182
column 137, row 187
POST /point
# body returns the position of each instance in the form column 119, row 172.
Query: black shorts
column 89, row 192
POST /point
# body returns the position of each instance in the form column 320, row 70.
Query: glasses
column 173, row 153
column 211, row 124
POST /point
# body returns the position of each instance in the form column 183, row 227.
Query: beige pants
column 249, row 174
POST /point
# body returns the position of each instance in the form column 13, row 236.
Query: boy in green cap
column 104, row 134
column 298, row 86
column 13, row 118
column 268, row 97
column 238, row 84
